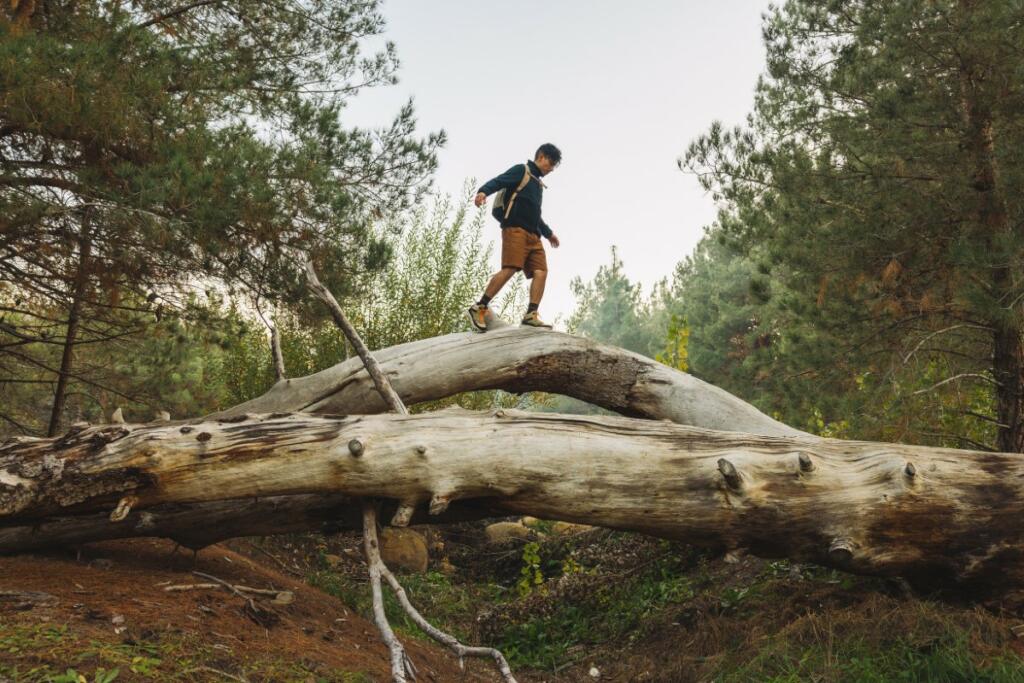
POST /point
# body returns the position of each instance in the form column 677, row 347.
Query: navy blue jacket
column 526, row 208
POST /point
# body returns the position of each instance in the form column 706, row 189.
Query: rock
column 446, row 567
column 530, row 522
column 595, row 673
column 333, row 561
column 506, row 532
column 283, row 598
column 569, row 529
column 403, row 548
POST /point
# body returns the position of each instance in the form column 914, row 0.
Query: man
column 521, row 230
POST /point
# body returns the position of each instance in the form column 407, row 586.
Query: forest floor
column 110, row 612
column 581, row 606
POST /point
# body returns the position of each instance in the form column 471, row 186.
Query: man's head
column 547, row 157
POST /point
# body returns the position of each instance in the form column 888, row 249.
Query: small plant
column 72, row 676
column 732, row 597
column 144, row 665
column 531, row 575
column 571, row 566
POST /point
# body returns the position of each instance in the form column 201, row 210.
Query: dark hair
column 550, row 151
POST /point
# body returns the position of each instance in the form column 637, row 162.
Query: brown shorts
column 523, row 250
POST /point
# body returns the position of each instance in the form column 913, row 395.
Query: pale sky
column 620, row 87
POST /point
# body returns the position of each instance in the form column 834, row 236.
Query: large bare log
column 934, row 516
column 519, row 360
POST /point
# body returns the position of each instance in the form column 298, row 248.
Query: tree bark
column 994, row 231
column 71, row 334
column 519, row 360
column 939, row 517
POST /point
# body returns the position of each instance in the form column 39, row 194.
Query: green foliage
column 445, row 603
column 45, row 653
column 611, row 309
column 530, row 575
column 136, row 165
column 439, row 265
column 612, row 611
column 869, row 200
column 72, row 676
column 676, row 353
column 946, row 659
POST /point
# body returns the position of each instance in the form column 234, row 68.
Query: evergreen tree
column 612, row 309
column 146, row 148
column 875, row 175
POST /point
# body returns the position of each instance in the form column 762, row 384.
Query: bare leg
column 540, row 277
column 498, row 281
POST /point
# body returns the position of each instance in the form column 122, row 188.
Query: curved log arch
column 519, row 360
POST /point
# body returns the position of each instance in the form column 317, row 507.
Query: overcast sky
column 620, row 87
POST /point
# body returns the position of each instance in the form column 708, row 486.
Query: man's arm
column 508, row 180
column 547, row 232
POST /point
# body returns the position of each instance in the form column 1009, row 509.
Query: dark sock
column 484, row 300
column 532, row 308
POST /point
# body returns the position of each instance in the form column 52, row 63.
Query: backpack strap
column 522, row 183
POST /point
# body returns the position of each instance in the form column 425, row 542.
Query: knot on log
column 806, row 464
column 75, row 428
column 123, row 508
column 110, row 435
column 234, row 419
column 910, row 470
column 404, row 514
column 421, row 450
column 203, row 437
column 355, row 447
column 729, row 473
column 439, row 503
column 185, row 430
column 841, row 551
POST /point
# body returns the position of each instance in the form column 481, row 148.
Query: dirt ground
column 114, row 594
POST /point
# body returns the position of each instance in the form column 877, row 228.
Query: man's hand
column 480, row 199
column 553, row 239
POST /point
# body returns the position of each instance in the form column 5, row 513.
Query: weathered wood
column 519, row 360
column 956, row 521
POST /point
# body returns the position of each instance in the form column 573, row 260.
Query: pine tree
column 146, row 148
column 875, row 175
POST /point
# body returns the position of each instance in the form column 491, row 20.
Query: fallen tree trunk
column 519, row 360
column 934, row 516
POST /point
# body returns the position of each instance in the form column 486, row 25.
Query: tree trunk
column 519, row 360
column 77, row 297
column 938, row 517
column 994, row 231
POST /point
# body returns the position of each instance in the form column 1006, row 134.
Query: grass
column 648, row 610
column 53, row 653
column 444, row 603
column 859, row 651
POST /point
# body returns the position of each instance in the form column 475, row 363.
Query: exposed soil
column 114, row 593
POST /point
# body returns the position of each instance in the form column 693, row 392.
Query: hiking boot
column 478, row 316
column 532, row 319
